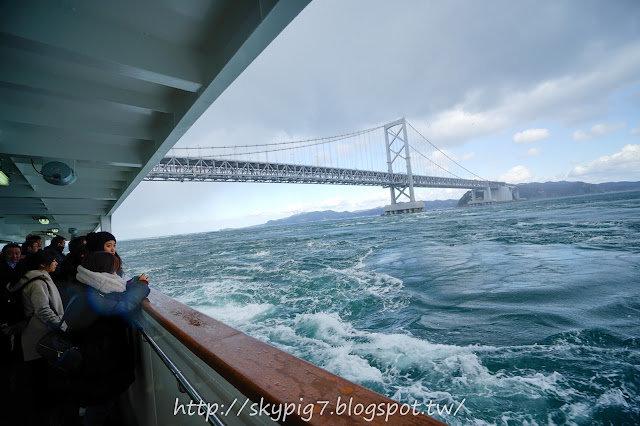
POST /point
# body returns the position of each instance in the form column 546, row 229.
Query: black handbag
column 58, row 347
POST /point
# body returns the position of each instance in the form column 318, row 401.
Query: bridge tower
column 397, row 144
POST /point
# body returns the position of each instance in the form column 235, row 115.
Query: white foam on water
column 334, row 346
column 509, row 418
column 262, row 253
column 244, row 269
column 612, row 398
column 360, row 264
column 326, row 327
column 578, row 413
column 236, row 315
column 352, row 367
column 379, row 284
column 443, row 368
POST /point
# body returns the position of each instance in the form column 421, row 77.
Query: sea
column 526, row 313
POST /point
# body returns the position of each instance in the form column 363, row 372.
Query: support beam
column 105, row 223
column 66, row 118
column 66, row 149
column 57, row 85
column 18, row 207
column 245, row 50
column 72, row 192
column 53, row 32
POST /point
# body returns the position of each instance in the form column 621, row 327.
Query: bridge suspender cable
column 325, row 140
column 464, row 168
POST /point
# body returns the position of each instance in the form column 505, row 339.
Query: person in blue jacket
column 101, row 320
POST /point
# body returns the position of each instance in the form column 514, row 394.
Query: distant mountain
column 567, row 189
column 527, row 190
column 332, row 215
column 535, row 190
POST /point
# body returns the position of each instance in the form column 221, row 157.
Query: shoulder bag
column 58, row 347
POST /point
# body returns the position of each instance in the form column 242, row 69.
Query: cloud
column 468, row 156
column 566, row 99
column 635, row 131
column 580, row 135
column 531, row 135
column 457, row 125
column 567, row 67
column 312, row 83
column 597, row 130
column 517, row 174
column 622, row 165
column 533, row 152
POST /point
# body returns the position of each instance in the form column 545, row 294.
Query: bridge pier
column 401, row 208
column 496, row 194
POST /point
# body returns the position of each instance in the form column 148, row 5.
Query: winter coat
column 38, row 298
column 100, row 319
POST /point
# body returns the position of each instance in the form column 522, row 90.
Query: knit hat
column 96, row 240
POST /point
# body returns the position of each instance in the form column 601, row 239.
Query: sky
column 516, row 91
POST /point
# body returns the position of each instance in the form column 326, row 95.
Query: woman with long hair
column 102, row 322
column 105, row 241
column 43, row 308
column 41, row 301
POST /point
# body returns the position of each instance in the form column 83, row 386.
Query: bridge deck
column 212, row 170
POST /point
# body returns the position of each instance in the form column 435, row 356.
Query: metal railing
column 182, row 380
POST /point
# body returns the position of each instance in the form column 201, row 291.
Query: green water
column 527, row 312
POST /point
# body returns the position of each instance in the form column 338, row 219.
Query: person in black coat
column 11, row 312
column 100, row 318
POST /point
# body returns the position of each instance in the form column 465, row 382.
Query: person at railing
column 101, row 321
column 41, row 300
column 105, row 241
column 43, row 308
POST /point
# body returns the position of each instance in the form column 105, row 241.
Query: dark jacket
column 101, row 321
column 11, row 313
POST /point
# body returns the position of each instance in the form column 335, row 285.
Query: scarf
column 104, row 282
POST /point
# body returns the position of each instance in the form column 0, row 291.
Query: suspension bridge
column 381, row 156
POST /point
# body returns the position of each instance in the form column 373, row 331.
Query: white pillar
column 105, row 223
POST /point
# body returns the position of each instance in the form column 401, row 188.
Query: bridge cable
column 328, row 139
column 464, row 168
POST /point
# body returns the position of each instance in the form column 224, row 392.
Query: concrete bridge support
column 490, row 195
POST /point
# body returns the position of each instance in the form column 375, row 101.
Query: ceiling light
column 54, row 230
column 4, row 179
column 42, row 220
column 57, row 173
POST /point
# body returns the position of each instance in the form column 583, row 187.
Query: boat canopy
column 93, row 94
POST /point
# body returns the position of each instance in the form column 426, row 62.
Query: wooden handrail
column 259, row 370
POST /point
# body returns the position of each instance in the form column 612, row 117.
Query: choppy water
column 528, row 310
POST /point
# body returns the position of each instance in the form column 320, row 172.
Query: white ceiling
column 109, row 88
